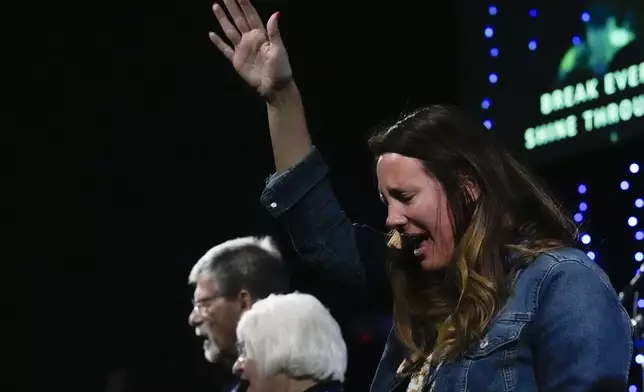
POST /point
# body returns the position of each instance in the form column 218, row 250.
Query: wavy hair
column 295, row 334
column 443, row 312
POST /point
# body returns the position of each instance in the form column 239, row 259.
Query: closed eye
column 403, row 197
column 406, row 199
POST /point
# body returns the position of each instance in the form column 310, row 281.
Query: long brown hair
column 441, row 313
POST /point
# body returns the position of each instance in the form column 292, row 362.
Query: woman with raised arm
column 299, row 194
column 489, row 293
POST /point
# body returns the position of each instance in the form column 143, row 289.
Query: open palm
column 257, row 53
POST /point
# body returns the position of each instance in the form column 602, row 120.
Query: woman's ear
column 472, row 189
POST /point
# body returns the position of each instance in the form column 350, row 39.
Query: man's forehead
column 205, row 287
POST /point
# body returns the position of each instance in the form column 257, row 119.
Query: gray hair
column 296, row 334
column 251, row 263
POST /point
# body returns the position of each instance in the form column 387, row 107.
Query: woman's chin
column 431, row 264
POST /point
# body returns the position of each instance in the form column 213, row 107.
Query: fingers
column 222, row 46
column 230, row 30
column 254, row 21
column 272, row 29
column 238, row 16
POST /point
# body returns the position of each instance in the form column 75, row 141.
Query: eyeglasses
column 201, row 306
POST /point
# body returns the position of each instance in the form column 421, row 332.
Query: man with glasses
column 228, row 280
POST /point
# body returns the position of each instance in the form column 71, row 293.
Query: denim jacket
column 562, row 329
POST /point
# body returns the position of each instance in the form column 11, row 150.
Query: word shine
column 612, row 113
column 571, row 96
column 591, row 119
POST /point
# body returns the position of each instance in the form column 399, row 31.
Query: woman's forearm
column 287, row 124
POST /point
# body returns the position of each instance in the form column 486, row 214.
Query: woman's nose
column 395, row 221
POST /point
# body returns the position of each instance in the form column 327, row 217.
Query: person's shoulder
column 552, row 258
column 569, row 270
column 566, row 258
column 574, row 296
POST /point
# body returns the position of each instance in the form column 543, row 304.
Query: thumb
column 272, row 30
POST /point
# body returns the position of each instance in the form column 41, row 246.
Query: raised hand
column 257, row 53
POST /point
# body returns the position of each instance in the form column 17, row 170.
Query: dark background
column 142, row 148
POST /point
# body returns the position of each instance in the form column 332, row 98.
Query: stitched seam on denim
column 291, row 176
column 561, row 260
column 539, row 283
column 466, row 371
column 577, row 261
column 289, row 201
column 495, row 346
column 507, row 370
column 628, row 366
column 519, row 317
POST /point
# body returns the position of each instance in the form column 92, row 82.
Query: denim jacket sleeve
column 583, row 334
column 302, row 200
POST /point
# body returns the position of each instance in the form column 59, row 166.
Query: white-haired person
column 229, row 278
column 290, row 343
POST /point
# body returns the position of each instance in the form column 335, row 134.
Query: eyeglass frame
column 201, row 306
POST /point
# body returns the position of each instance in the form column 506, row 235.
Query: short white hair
column 204, row 266
column 296, row 334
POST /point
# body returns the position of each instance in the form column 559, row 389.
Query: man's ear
column 245, row 299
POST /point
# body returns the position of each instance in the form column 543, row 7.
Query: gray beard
column 211, row 351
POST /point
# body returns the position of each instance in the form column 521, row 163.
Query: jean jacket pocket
column 491, row 364
column 501, row 334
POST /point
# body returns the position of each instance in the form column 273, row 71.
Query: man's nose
column 194, row 319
